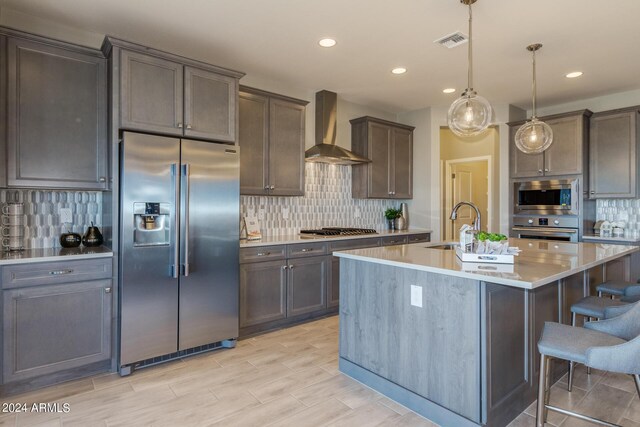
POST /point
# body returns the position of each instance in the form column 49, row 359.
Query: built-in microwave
column 549, row 197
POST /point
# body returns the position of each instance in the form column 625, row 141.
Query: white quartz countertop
column 540, row 262
column 53, row 254
column 588, row 237
column 295, row 238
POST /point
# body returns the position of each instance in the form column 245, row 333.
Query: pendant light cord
column 533, row 89
column 470, row 56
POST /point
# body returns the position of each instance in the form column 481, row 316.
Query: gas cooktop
column 336, row 231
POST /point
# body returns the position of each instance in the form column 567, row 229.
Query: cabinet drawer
column 306, row 249
column 394, row 240
column 263, row 253
column 49, row 273
column 345, row 245
column 417, row 238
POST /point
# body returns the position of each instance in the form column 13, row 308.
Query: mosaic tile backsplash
column 42, row 219
column 327, row 202
column 627, row 210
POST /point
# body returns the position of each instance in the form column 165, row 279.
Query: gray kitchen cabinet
column 151, row 93
column 56, row 319
column 614, row 154
column 56, row 115
column 565, row 156
column 272, row 141
column 263, row 292
column 307, row 284
column 389, row 146
column 3, row 110
column 168, row 94
column 619, row 269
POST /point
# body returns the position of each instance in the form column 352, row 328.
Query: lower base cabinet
column 56, row 321
column 263, row 292
column 307, row 284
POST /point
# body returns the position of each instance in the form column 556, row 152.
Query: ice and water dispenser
column 151, row 224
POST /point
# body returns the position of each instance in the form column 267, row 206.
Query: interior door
column 469, row 184
column 209, row 230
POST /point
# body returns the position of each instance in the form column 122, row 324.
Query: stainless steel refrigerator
column 179, row 247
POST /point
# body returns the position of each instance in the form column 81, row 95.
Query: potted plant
column 391, row 214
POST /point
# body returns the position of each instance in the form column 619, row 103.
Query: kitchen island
column 453, row 341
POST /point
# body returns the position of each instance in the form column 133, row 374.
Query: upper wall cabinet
column 56, row 114
column 389, row 146
column 272, row 142
column 613, row 159
column 565, row 156
column 167, row 94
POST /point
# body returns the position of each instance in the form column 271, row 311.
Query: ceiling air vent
column 452, row 40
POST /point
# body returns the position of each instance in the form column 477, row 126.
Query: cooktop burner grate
column 338, row 231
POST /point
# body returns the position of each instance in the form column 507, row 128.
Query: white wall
column 601, row 103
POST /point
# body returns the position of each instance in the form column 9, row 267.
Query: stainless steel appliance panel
column 548, row 197
column 546, row 233
column 148, row 274
column 210, row 188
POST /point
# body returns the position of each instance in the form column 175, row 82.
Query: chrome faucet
column 476, row 223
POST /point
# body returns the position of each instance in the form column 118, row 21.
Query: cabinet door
column 253, row 140
column 619, row 269
column 379, row 140
column 402, row 164
column 333, row 287
column 524, row 165
column 151, row 94
column 55, row 327
column 263, row 292
column 307, row 283
column 613, row 155
column 209, row 105
column 286, row 148
column 564, row 156
column 3, row 110
column 57, row 116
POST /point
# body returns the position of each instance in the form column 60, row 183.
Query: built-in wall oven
column 562, row 228
column 548, row 197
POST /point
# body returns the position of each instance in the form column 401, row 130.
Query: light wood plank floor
column 285, row 378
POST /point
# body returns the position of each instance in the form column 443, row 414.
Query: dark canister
column 92, row 237
column 70, row 240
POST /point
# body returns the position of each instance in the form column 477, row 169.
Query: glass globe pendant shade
column 534, row 136
column 469, row 115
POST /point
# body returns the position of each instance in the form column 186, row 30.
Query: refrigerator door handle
column 185, row 233
column 175, row 266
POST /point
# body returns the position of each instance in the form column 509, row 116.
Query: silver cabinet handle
column 188, row 126
column 107, row 290
column 390, row 193
column 306, row 250
column 176, row 192
column 271, row 187
column 593, row 192
column 186, row 169
column 179, row 125
column 102, row 179
column 266, row 187
column 284, row 267
column 61, row 272
column 546, row 169
column 540, row 171
column 291, row 267
column 264, row 253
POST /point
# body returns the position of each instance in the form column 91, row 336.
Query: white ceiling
column 277, row 40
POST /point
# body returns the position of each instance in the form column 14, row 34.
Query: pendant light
column 470, row 114
column 534, row 136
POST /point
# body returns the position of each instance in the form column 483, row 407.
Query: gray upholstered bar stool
column 617, row 288
column 597, row 308
column 611, row 345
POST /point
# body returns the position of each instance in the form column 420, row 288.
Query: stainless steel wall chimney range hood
column 326, row 150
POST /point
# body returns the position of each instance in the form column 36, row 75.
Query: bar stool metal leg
column 542, row 391
column 572, row 366
column 636, row 379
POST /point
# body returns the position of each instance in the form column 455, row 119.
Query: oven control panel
column 544, row 221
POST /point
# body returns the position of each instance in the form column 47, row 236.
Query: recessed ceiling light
column 574, row 74
column 327, row 42
column 449, row 90
column 399, row 70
